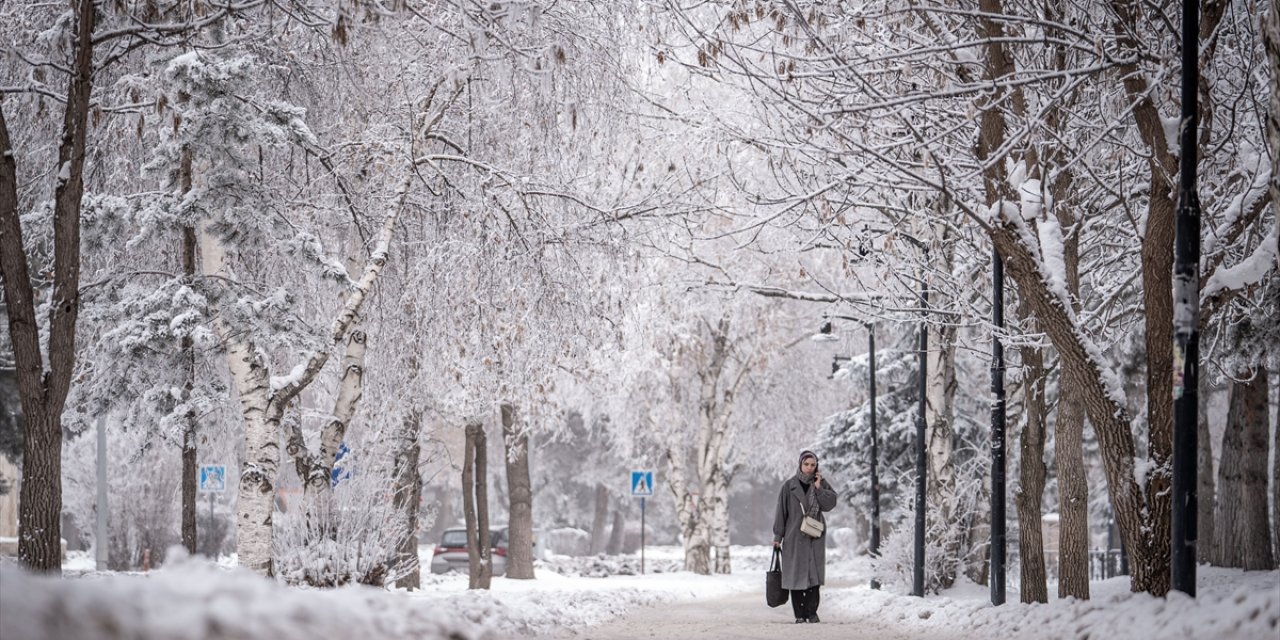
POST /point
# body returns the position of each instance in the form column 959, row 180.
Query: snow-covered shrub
column 897, row 548
column 568, row 541
column 352, row 541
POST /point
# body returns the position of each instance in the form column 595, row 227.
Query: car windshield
column 454, row 539
column 458, row 538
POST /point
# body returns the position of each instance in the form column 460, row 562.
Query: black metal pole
column 1186, row 317
column 874, row 547
column 997, row 433
column 917, row 572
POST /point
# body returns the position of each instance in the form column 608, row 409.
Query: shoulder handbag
column 774, row 594
column 811, row 526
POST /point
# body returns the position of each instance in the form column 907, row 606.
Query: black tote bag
column 774, row 594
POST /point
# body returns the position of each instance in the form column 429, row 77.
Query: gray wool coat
column 804, row 559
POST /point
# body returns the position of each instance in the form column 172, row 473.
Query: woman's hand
column 817, row 480
column 777, row 544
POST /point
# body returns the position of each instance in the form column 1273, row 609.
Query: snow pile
column 195, row 599
column 190, row 600
column 1229, row 604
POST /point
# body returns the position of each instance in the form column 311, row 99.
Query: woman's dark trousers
column 805, row 602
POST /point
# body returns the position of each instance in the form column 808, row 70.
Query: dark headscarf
column 806, row 480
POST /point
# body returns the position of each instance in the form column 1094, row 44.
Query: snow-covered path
column 745, row 616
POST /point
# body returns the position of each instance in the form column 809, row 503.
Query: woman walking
column 804, row 555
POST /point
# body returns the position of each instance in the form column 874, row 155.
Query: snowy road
column 745, row 616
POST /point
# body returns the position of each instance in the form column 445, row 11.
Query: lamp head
column 824, row 333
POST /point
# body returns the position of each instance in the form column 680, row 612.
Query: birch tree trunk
column 520, row 495
column 1243, row 527
column 716, row 404
column 720, row 519
column 939, row 411
column 43, row 392
column 475, row 507
column 406, row 497
column 317, row 488
column 693, row 529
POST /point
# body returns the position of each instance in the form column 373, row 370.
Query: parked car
column 451, row 553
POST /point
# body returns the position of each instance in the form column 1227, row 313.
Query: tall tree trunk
column 190, row 458
column 1151, row 559
column 520, row 494
column 406, row 496
column 995, row 110
column 939, row 416
column 475, row 507
column 1032, row 472
column 1073, row 481
column 1271, row 40
column 1243, row 527
column 719, row 505
column 1073, row 496
column 693, row 529
column 43, row 393
column 598, row 519
column 317, row 472
column 1206, row 497
column 616, row 534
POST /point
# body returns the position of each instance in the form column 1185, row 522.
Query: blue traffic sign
column 641, row 483
column 213, row 477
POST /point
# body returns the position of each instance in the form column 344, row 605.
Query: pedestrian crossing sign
column 641, row 484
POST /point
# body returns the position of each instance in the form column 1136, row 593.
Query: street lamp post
column 922, row 468
column 998, row 533
column 1186, row 317
column 873, row 548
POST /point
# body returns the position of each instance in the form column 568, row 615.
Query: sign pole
column 641, row 487
column 642, row 535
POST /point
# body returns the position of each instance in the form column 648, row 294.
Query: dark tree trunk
column 1205, row 496
column 598, row 539
column 189, row 450
column 616, row 534
column 520, row 495
column 475, row 507
column 1073, row 496
column 407, row 496
column 43, row 392
column 1032, row 472
column 1243, row 527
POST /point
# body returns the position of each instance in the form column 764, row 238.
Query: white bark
column 262, row 452
column 318, row 487
column 693, row 528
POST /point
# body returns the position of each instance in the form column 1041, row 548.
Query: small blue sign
column 340, row 471
column 641, row 484
column 213, row 477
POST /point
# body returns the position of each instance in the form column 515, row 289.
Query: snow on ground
column 193, row 598
column 1230, row 603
